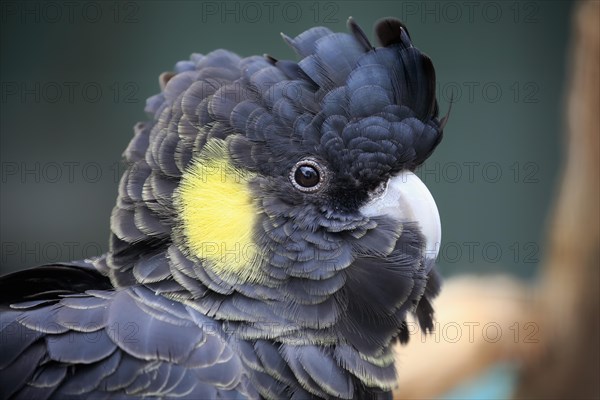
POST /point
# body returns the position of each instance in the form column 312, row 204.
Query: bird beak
column 407, row 199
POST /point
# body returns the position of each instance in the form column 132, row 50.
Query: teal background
column 493, row 176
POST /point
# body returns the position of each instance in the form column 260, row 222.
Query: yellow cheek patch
column 218, row 214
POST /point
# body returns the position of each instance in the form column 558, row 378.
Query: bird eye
column 307, row 175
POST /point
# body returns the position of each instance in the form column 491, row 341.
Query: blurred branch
column 569, row 288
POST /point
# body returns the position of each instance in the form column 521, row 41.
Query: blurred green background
column 75, row 76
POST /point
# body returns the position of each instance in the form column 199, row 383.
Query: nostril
column 380, row 189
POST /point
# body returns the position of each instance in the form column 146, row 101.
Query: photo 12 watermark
column 35, row 253
column 476, row 171
column 471, row 12
column 473, row 331
column 324, row 12
column 68, row 92
column 69, row 12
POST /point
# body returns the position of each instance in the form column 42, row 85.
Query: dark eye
column 307, row 175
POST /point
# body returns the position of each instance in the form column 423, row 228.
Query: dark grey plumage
column 148, row 320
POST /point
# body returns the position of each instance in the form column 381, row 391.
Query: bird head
column 280, row 196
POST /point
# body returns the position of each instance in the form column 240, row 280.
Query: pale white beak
column 406, row 199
